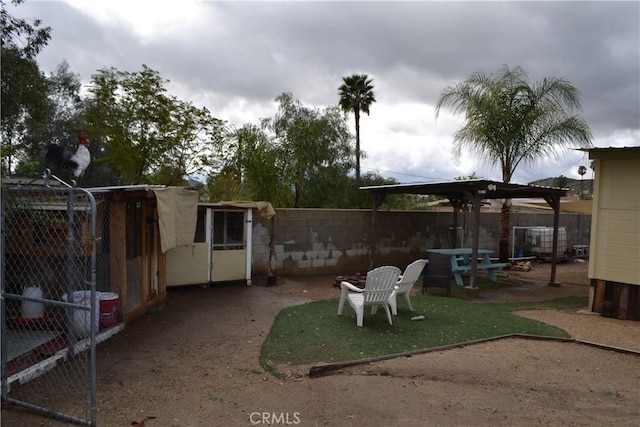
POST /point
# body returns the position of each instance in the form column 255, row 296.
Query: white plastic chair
column 379, row 286
column 405, row 284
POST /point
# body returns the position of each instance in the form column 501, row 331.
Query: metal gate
column 50, row 306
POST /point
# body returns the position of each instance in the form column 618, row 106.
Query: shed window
column 228, row 230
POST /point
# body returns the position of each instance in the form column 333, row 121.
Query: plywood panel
column 187, row 265
column 118, row 249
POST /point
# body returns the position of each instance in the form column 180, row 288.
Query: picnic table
column 461, row 262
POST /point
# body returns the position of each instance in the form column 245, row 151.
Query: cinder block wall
column 333, row 241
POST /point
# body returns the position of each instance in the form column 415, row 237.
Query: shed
column 130, row 240
column 138, row 224
column 222, row 246
column 614, row 259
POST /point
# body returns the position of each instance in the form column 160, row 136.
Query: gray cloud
column 247, row 53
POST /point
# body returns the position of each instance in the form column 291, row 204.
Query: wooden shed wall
column 139, row 279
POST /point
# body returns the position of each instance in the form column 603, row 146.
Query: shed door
column 228, row 245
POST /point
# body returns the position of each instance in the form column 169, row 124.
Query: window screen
column 228, row 230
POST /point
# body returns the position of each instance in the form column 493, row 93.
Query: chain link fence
column 50, row 303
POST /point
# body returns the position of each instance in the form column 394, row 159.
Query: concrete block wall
column 333, row 241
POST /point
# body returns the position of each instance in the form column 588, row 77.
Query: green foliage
column 560, row 182
column 356, row 95
column 27, row 38
column 299, row 158
column 139, row 133
column 468, row 177
column 509, row 122
column 148, row 135
column 313, row 333
column 24, row 107
column 24, row 87
column 224, row 186
column 252, row 169
column 362, row 199
column 66, row 104
column 313, row 149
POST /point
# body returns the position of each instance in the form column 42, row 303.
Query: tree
column 313, row 145
column 561, row 181
column 356, row 95
column 510, row 122
column 26, row 38
column 66, row 103
column 582, row 170
column 251, row 169
column 354, row 198
column 24, row 101
column 24, row 107
column 467, row 177
column 148, row 135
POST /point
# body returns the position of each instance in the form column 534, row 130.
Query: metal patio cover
column 472, row 192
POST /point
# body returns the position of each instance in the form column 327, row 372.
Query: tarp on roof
column 178, row 215
column 264, row 208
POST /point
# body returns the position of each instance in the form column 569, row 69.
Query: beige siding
column 615, row 236
column 188, row 265
column 229, row 265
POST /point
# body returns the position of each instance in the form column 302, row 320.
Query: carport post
column 476, row 198
column 378, row 198
column 554, row 201
column 455, row 203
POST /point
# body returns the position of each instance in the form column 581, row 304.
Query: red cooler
column 108, row 309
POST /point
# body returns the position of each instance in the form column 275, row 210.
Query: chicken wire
column 50, row 305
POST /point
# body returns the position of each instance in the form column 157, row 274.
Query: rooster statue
column 58, row 156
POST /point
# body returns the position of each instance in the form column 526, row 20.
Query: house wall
column 328, row 241
column 615, row 241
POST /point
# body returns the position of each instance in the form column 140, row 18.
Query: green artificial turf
column 313, row 332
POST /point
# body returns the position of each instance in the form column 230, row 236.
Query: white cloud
column 149, row 19
column 236, row 57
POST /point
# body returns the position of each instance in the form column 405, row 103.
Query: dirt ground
column 196, row 363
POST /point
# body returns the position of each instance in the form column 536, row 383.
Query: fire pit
column 356, row 280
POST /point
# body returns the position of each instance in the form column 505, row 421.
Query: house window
column 228, row 230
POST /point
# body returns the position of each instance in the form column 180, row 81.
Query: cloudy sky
column 236, row 57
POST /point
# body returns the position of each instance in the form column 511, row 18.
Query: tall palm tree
column 356, row 94
column 510, row 122
column 581, row 171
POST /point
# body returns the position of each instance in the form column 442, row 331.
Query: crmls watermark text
column 275, row 418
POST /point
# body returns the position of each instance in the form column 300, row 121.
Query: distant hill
column 570, row 183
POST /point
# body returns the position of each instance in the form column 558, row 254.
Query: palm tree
column 356, row 94
column 581, row 171
column 510, row 122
